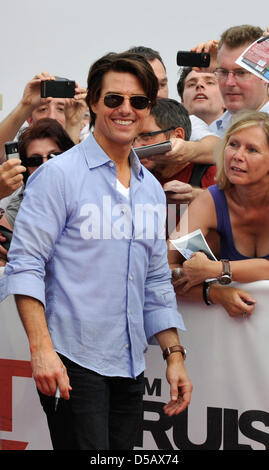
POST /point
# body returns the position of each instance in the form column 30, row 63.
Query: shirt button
column 127, row 346
column 111, row 164
column 129, row 311
column 131, row 277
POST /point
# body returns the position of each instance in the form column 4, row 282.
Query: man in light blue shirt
column 88, row 266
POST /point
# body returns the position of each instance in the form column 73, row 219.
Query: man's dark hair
column 170, row 113
column 127, row 62
column 46, row 128
column 237, row 36
column 148, row 53
column 182, row 78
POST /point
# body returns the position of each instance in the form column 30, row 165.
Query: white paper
column 255, row 59
column 191, row 243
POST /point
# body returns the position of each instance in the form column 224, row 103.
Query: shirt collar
column 96, row 156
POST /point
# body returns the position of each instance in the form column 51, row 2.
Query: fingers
column 11, row 176
column 176, row 191
column 48, row 372
column 48, row 384
column 43, row 76
column 206, row 46
column 236, row 302
column 64, row 384
column 3, row 251
column 180, row 399
column 80, row 93
column 177, row 186
column 247, row 305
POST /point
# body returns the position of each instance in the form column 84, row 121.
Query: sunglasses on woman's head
column 113, row 100
column 37, row 160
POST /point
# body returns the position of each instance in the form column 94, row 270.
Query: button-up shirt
column 95, row 259
column 220, row 126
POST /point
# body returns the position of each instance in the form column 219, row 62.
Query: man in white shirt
column 200, row 147
column 200, row 94
column 241, row 90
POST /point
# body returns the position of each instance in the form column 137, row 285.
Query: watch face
column 225, row 279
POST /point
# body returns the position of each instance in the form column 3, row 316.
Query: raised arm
column 30, row 99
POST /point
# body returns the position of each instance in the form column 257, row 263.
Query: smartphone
column 8, row 235
column 11, row 149
column 248, row 302
column 193, row 59
column 154, row 149
column 59, row 88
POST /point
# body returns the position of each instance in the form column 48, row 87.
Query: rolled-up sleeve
column 39, row 223
column 160, row 308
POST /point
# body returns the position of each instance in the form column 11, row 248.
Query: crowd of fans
column 209, row 107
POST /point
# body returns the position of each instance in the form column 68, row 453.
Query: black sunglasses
column 151, row 134
column 37, row 160
column 113, row 100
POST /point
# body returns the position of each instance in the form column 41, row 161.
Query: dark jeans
column 103, row 412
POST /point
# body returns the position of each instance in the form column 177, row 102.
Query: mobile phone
column 193, row 59
column 11, row 149
column 248, row 302
column 8, row 235
column 59, row 88
column 154, row 149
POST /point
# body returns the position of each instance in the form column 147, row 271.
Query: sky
column 64, row 37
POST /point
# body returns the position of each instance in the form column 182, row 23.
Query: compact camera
column 11, row 149
column 58, row 88
column 193, row 59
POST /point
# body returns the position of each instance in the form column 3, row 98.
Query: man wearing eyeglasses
column 200, row 147
column 181, row 182
column 241, row 90
column 107, row 290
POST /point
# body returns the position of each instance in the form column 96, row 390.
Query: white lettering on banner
column 118, row 221
column 226, row 361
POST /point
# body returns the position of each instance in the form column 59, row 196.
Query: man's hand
column 3, row 252
column 212, row 48
column 11, row 177
column 75, row 109
column 48, row 372
column 179, row 153
column 31, row 96
column 180, row 385
column 195, row 270
column 178, row 192
column 48, row 369
column 236, row 302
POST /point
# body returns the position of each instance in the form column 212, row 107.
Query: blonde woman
column 234, row 216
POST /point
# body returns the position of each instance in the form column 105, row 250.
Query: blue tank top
column 224, row 228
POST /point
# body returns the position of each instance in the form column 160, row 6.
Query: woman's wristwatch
column 226, row 275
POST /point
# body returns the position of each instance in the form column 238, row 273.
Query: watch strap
column 206, row 287
column 226, row 269
column 172, row 349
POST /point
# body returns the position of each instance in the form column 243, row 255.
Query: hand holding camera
column 32, row 96
column 11, row 177
column 211, row 48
